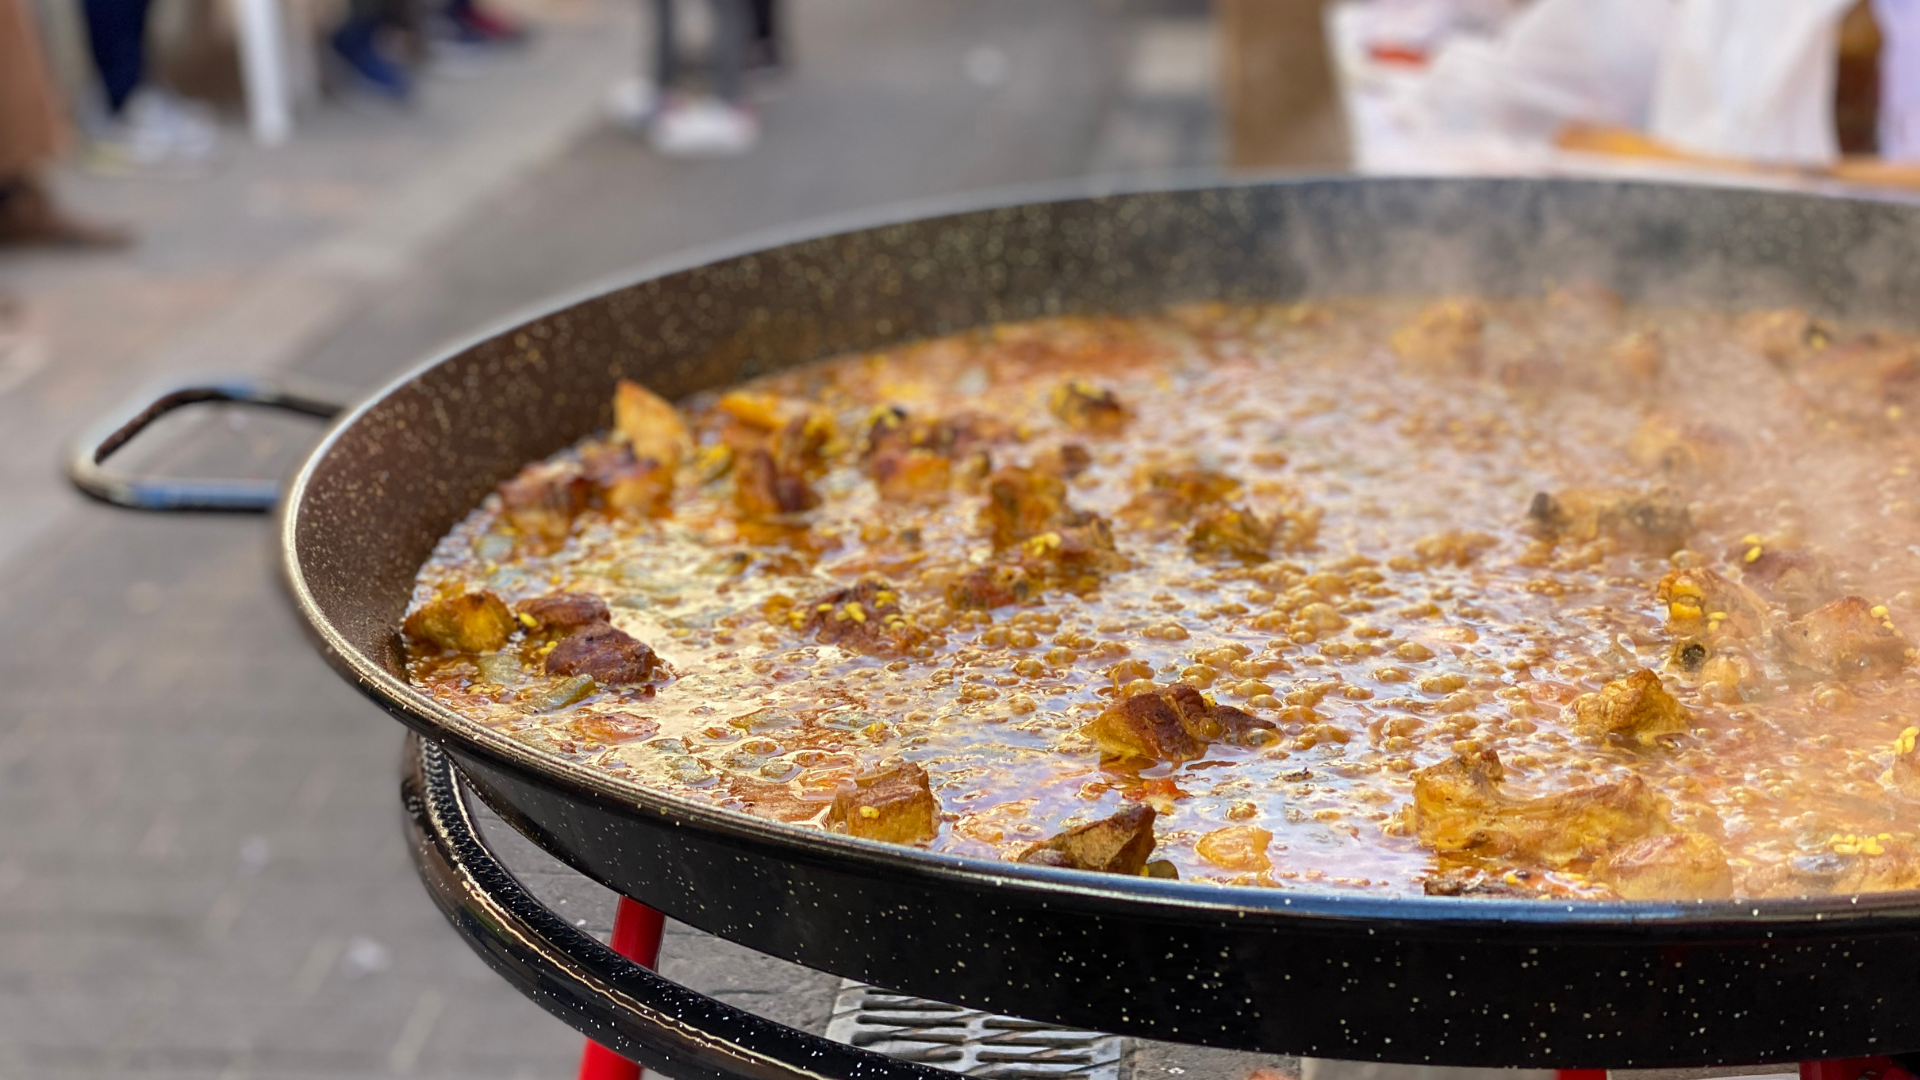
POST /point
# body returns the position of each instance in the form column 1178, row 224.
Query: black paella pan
column 1429, row 980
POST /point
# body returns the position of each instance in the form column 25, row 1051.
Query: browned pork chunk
column 1673, row 866
column 916, row 459
column 1796, row 580
column 561, row 611
column 912, row 476
column 765, row 488
column 1458, row 806
column 1444, row 337
column 611, row 656
column 1635, row 708
column 863, row 618
column 1115, row 845
column 1083, row 406
column 1679, row 450
column 896, row 806
column 1232, row 532
column 1701, row 602
column 1175, row 724
column 1170, row 495
column 1844, row 639
column 1655, row 521
column 1022, row 503
column 473, row 622
column 628, row 484
column 544, row 498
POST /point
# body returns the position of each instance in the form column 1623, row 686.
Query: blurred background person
column 140, row 125
column 32, row 133
column 712, row 119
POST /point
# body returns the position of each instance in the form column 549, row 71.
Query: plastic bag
column 1750, row 79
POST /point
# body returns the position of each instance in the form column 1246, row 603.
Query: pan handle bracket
column 87, row 459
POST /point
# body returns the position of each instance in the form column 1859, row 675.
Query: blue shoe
column 353, row 43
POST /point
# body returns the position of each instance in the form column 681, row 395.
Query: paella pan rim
column 1696, row 921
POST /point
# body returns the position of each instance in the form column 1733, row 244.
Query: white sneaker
column 631, row 103
column 704, row 127
column 154, row 132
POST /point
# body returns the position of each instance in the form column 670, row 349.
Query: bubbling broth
column 1548, row 597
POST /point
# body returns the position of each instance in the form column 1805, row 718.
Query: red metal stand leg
column 636, row 936
column 1867, row 1068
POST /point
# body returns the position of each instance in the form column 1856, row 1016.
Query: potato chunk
column 1458, row 806
column 1655, row 521
column 651, row 425
column 1236, row 847
column 1634, row 707
column 473, row 622
column 1845, row 639
column 1175, row 724
column 896, row 806
column 1115, row 845
column 1083, row 406
column 1673, row 866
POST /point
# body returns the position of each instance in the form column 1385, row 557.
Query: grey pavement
column 203, row 873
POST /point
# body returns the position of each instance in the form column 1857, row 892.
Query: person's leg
column 117, row 32
column 666, row 49
column 732, row 24
column 32, row 131
column 354, row 42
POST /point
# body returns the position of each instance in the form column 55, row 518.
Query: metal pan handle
column 610, row 999
column 86, row 461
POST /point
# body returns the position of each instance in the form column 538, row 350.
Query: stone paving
column 203, row 873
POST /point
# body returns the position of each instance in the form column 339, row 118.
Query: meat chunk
column 1171, row 495
column 612, row 657
column 1657, row 521
column 896, row 806
column 1236, row 847
column 1232, row 532
column 1635, row 708
column 1796, row 580
column 1852, row 864
column 561, row 612
column 864, row 618
column 1700, row 602
column 1672, row 866
column 1844, row 639
column 1023, row 503
column 1453, row 547
column 1678, row 450
column 1458, row 806
column 1904, row 773
column 1786, row 336
column 952, row 436
column 912, row 476
column 1445, row 336
column 1636, row 359
column 1115, row 845
column 472, row 622
column 1175, row 724
column 651, row 426
column 1075, row 559
column 984, row 588
column 627, row 484
column 1474, row 881
column 544, row 498
column 1084, row 406
column 764, row 488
